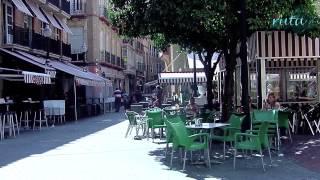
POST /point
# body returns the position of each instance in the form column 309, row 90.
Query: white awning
column 177, row 78
column 36, row 78
column 21, row 6
column 24, row 76
column 64, row 25
column 35, row 9
column 52, row 20
column 81, row 77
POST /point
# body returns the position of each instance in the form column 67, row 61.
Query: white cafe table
column 210, row 127
column 207, row 125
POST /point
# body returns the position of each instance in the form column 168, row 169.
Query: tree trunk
column 228, row 92
column 210, row 95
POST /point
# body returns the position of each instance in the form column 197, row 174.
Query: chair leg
column 208, row 156
column 262, row 160
column 172, row 151
column 290, row 136
column 127, row 131
column 224, row 150
column 167, row 146
column 270, row 155
column 234, row 158
column 184, row 160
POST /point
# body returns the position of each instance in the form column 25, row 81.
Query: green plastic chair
column 169, row 131
column 155, row 121
column 253, row 140
column 271, row 117
column 181, row 139
column 283, row 122
column 229, row 131
column 132, row 118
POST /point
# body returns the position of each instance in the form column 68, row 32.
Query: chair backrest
column 131, row 115
column 155, row 118
column 179, row 134
column 269, row 116
column 283, row 119
column 136, row 108
column 236, row 121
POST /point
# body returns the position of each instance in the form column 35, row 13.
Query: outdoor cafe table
column 210, row 127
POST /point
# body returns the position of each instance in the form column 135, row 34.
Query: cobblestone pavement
column 95, row 148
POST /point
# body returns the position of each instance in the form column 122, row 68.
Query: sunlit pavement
column 96, row 149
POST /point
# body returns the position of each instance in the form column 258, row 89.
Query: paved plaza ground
column 95, row 148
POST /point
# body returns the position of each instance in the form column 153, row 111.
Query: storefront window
column 301, row 87
column 273, row 84
column 253, row 87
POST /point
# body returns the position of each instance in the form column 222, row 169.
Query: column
column 261, row 81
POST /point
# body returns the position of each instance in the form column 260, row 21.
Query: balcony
column 78, row 7
column 66, row 50
column 22, row 36
column 113, row 59
column 108, row 58
column 118, row 61
column 34, row 40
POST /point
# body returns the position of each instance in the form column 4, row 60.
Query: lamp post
column 47, row 32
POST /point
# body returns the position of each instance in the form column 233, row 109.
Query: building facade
column 23, row 34
column 95, row 43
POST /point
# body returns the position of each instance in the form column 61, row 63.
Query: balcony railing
column 65, row 6
column 34, row 40
column 66, row 50
column 118, row 61
column 78, row 7
column 22, row 36
column 79, row 57
column 104, row 12
column 108, row 58
column 113, row 59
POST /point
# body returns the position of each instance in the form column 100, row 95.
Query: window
column 56, row 33
column 8, row 19
column 301, row 87
column 273, row 85
column 77, row 40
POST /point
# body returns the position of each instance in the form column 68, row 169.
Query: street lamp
column 47, row 32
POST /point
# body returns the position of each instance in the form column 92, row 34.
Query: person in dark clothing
column 117, row 95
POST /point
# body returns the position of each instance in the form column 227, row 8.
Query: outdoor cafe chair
column 283, row 121
column 229, row 131
column 253, row 140
column 155, row 120
column 270, row 116
column 135, row 121
column 181, row 139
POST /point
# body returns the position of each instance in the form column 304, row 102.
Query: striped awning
column 36, row 78
column 287, row 47
column 178, row 78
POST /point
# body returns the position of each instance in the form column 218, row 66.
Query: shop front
column 285, row 64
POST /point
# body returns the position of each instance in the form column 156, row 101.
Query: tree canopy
column 207, row 26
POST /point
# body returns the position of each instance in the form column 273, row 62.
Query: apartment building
column 95, row 43
column 35, row 56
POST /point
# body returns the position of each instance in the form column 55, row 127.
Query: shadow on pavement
column 246, row 168
column 37, row 142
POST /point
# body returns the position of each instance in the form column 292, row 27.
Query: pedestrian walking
column 117, row 95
